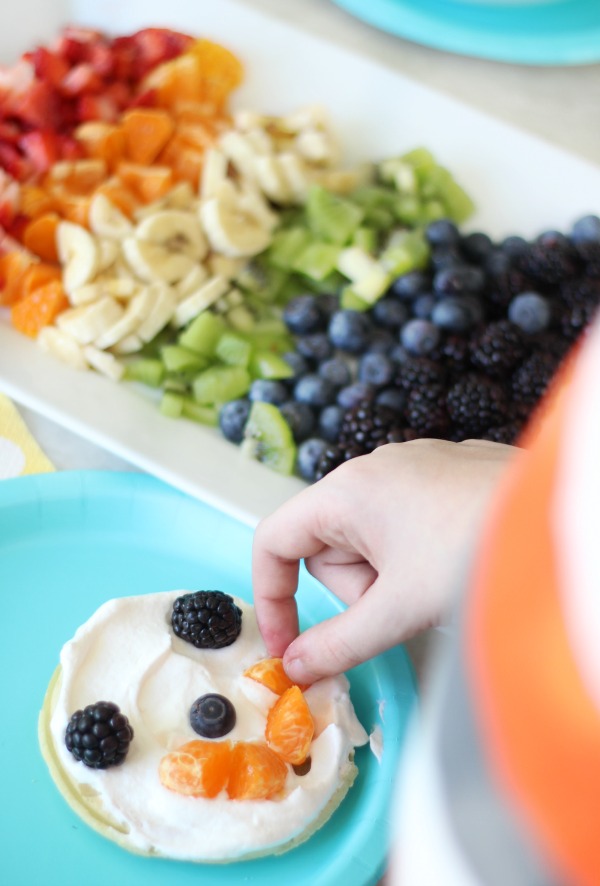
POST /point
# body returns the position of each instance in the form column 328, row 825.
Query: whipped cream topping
column 127, row 653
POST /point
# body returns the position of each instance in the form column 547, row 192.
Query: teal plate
column 556, row 32
column 68, row 542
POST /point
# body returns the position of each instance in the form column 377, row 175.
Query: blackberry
column 364, row 428
column 530, row 380
column 417, row 372
column 99, row 736
column 498, row 348
column 455, row 354
column 476, row 402
column 549, row 259
column 580, row 291
column 207, row 619
column 574, row 320
column 426, row 411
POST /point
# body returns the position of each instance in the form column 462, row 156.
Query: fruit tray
column 520, row 185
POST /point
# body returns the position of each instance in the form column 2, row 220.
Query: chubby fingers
column 357, row 634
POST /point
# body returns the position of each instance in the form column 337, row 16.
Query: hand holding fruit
column 389, row 534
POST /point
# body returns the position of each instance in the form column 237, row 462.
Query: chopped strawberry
column 70, row 148
column 120, row 94
column 49, row 66
column 37, row 106
column 101, row 58
column 82, row 78
column 17, row 226
column 14, row 163
column 145, row 99
column 9, row 132
column 157, row 45
column 124, row 58
column 42, row 148
column 97, row 107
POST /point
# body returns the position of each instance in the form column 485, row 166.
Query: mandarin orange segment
column 197, row 769
column 221, row 70
column 78, row 177
column 39, row 308
column 257, row 773
column 290, row 726
column 35, row 201
column 123, row 198
column 103, row 141
column 38, row 274
column 270, row 672
column 13, row 267
column 40, row 236
column 147, row 131
column 149, row 183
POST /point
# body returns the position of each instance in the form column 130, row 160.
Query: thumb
column 355, row 635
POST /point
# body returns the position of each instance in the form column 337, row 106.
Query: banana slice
column 214, row 172
column 78, row 254
column 165, row 246
column 108, row 253
column 138, row 308
column 107, row 220
column 104, row 362
column 165, row 301
column 230, row 229
column 191, row 282
column 200, row 300
column 86, row 323
column 179, row 197
column 271, row 178
column 62, row 346
column 128, row 345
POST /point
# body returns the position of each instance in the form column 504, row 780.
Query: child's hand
column 388, row 533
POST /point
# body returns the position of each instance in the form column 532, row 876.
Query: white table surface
column 558, row 104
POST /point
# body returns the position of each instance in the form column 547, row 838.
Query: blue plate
column 557, row 32
column 68, row 542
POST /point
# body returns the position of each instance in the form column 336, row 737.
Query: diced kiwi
column 218, row 384
column 317, row 260
column 180, row 359
column 350, row 301
column 268, row 438
column 332, row 217
column 267, row 364
column 171, row 404
column 203, row 333
column 204, row 415
column 286, row 246
column 233, row 349
column 146, row 370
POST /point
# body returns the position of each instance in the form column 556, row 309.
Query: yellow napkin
column 19, row 453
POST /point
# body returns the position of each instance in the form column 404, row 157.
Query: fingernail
column 297, row 671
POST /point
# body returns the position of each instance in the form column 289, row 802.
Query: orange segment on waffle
column 290, row 726
column 257, row 773
column 270, row 672
column 197, row 769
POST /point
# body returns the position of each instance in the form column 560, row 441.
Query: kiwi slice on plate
column 268, row 438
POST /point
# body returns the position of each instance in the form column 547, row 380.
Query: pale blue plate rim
column 70, row 539
column 566, row 32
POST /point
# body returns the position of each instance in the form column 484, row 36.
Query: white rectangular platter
column 520, row 184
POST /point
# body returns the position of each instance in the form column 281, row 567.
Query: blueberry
column 586, row 229
column 337, row 371
column 302, row 314
column 330, row 422
column 458, row 280
column 423, row 305
column 316, row 346
column 553, row 239
column 453, row 313
column 476, row 246
column 393, row 398
column 212, row 715
column 419, row 336
column 354, row 394
column 233, row 417
column 300, row 417
column 514, row 245
column 376, row 369
column 530, row 312
column 297, row 364
column 442, row 232
column 307, row 458
column 349, row 331
column 445, row 257
column 268, row 390
column 314, row 390
column 410, row 285
column 389, row 312
column 329, row 303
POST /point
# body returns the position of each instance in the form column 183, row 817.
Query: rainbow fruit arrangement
column 310, row 311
